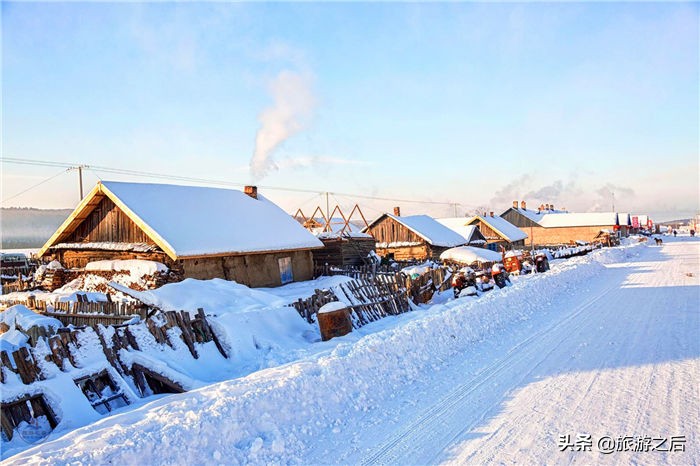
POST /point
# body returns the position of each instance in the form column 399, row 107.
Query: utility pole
column 328, row 220
column 455, row 206
column 80, row 178
column 613, row 200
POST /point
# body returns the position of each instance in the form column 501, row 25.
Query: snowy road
column 606, row 345
column 619, row 360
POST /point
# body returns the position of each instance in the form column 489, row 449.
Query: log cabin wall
column 388, row 230
column 518, row 219
column 540, row 236
column 253, row 270
column 395, row 240
column 78, row 258
column 406, row 253
column 343, row 251
column 107, row 223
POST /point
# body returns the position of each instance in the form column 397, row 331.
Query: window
column 285, row 264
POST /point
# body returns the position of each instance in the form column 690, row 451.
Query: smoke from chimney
column 293, row 107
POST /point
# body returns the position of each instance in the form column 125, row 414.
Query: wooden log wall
column 108, row 223
column 388, row 230
column 344, row 251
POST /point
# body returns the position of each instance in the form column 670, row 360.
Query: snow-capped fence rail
column 84, row 313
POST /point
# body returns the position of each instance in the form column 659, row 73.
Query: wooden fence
column 369, row 300
column 361, row 271
column 422, row 288
column 82, row 312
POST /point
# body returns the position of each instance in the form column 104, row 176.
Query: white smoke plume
column 290, row 113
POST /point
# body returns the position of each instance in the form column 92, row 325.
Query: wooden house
column 418, row 237
column 549, row 227
column 344, row 242
column 199, row 232
column 498, row 232
column 624, row 222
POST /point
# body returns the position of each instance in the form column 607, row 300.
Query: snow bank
column 216, row 296
column 274, row 416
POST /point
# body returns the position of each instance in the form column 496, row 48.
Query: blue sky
column 473, row 103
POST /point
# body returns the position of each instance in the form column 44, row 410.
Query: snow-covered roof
column 469, row 254
column 579, row 219
column 537, row 215
column 193, row 220
column 642, row 219
column 430, row 230
column 470, row 233
column 624, row 219
column 503, row 227
column 338, row 229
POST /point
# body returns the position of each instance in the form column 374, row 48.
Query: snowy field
column 603, row 345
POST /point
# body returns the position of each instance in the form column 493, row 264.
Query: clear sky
column 474, row 103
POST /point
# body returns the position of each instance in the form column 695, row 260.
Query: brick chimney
column 515, row 205
column 541, row 208
column 491, row 213
column 523, row 205
column 397, row 211
column 551, row 206
column 251, row 191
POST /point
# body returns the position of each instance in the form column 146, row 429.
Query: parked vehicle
column 464, row 282
column 541, row 263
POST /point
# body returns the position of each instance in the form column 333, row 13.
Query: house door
column 285, row 265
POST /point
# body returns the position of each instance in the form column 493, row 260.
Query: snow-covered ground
column 603, row 345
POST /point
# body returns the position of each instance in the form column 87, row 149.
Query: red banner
column 635, row 222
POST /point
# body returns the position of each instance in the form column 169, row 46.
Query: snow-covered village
column 251, row 233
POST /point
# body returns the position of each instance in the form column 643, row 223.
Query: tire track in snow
column 411, row 440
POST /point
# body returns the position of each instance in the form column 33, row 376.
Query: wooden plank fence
column 370, row 299
column 82, row 312
column 361, row 271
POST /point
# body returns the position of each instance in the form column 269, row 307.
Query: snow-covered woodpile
column 96, row 368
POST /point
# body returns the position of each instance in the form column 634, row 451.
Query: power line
column 36, row 185
column 121, row 171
